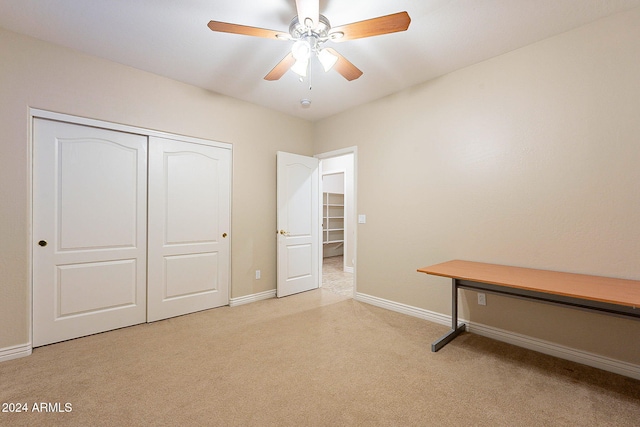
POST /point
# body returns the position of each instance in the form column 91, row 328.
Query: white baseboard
column 432, row 316
column 541, row 346
column 348, row 270
column 15, row 352
column 252, row 298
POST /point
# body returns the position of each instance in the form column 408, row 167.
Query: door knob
column 42, row 243
column 284, row 233
column 224, row 235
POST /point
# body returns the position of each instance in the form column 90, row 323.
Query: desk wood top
column 595, row 288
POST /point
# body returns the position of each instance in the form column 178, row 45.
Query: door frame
column 85, row 121
column 338, row 153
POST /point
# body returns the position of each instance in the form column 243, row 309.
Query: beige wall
column 529, row 159
column 40, row 75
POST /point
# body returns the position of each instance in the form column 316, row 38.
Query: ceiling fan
column 310, row 31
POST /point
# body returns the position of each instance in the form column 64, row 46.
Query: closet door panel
column 189, row 218
column 89, row 230
column 191, row 274
column 192, row 197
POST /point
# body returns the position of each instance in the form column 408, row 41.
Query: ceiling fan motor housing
column 299, row 30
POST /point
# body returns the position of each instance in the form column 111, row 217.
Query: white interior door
column 298, row 224
column 89, row 230
column 189, row 223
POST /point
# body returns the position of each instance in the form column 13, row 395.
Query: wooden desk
column 602, row 294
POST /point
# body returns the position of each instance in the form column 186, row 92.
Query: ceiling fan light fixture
column 301, row 50
column 300, row 67
column 327, row 59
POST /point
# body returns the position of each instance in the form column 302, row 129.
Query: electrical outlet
column 482, row 299
column 257, row 274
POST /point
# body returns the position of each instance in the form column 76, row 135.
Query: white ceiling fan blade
column 308, row 9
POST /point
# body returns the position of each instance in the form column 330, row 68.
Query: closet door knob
column 42, row 243
column 224, row 235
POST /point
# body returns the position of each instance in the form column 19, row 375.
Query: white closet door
column 89, row 230
column 189, row 219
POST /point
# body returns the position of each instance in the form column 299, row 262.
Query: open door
column 298, row 224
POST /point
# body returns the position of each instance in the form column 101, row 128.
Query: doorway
column 338, row 189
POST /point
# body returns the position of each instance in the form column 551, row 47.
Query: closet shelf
column 332, row 219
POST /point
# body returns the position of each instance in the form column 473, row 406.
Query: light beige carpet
column 313, row 359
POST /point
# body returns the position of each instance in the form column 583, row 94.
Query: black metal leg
column 455, row 328
column 454, row 304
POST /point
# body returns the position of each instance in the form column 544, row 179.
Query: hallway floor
column 334, row 278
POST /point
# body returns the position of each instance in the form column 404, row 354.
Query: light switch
column 362, row 219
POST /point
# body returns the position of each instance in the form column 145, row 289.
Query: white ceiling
column 171, row 38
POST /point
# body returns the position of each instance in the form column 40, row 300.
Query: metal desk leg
column 455, row 328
